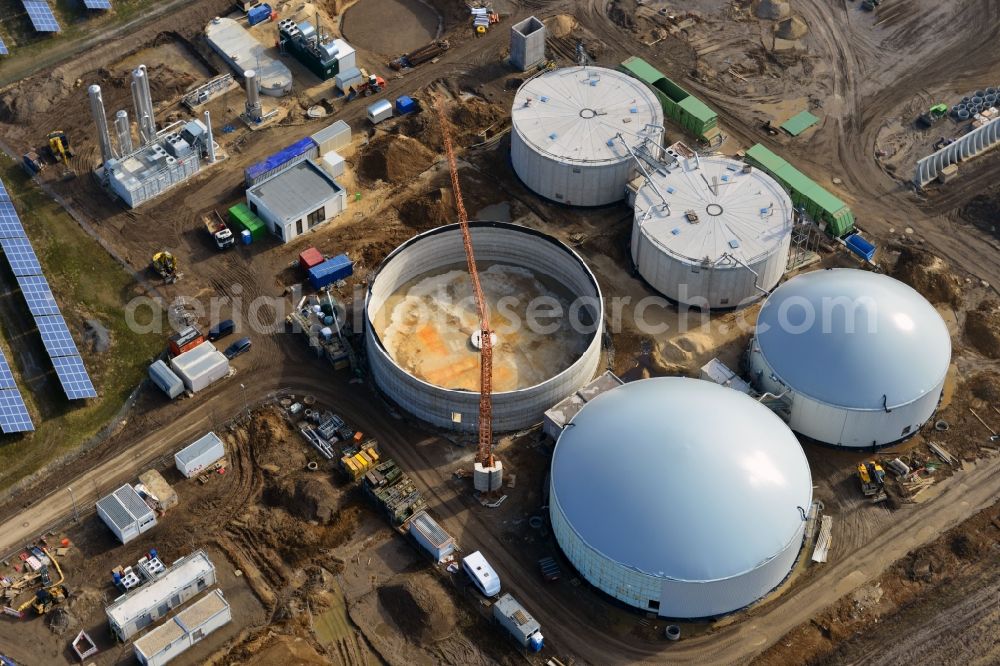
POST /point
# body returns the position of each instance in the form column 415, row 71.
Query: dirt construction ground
column 322, row 578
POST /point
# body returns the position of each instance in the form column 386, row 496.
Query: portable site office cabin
column 200, row 454
column 182, row 631
column 200, row 367
column 126, row 514
column 165, row 379
column 431, row 536
column 184, row 579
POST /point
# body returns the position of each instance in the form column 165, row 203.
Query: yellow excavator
column 59, row 147
column 47, row 597
column 165, row 265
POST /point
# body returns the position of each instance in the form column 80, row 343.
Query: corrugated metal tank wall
column 841, row 426
column 568, row 183
column 495, row 242
column 693, row 284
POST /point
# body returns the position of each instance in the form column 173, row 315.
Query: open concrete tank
column 564, row 143
column 545, row 307
column 859, row 358
column 679, row 496
column 711, row 232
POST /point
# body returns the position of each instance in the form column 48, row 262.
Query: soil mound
column 420, row 608
column 773, row 10
column 982, row 329
column 928, row 275
column 61, row 620
column 986, row 387
column 791, row 28
column 428, row 210
column 288, row 650
column 308, row 499
column 394, row 159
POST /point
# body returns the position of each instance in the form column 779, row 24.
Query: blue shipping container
column 259, row 14
column 330, row 271
column 860, row 246
column 405, row 104
column 284, row 156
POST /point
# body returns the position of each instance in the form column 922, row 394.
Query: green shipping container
column 820, row 204
column 678, row 104
column 243, row 218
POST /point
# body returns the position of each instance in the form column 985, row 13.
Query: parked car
column 237, row 348
column 221, row 330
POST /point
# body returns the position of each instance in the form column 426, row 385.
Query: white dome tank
column 565, row 122
column 680, row 496
column 711, row 232
column 861, row 358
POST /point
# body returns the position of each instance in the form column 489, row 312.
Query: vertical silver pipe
column 210, row 140
column 123, row 130
column 101, row 119
column 253, row 108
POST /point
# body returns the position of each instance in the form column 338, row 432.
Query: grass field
column 88, row 284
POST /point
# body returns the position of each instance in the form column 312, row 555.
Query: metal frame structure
column 975, row 142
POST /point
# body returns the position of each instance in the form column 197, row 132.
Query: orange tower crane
column 484, row 454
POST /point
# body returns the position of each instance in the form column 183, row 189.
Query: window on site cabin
column 298, row 226
column 279, row 231
column 317, row 216
column 253, row 207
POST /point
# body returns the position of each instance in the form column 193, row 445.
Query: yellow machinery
column 59, row 146
column 165, row 265
column 47, row 597
column 872, row 478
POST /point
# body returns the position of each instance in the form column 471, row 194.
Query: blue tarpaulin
column 281, row 157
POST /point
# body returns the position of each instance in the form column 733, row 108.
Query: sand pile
column 428, row 210
column 394, row 159
column 560, row 25
column 927, row 274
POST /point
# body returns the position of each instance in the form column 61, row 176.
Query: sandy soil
column 390, row 27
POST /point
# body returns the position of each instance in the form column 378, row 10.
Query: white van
column 482, row 574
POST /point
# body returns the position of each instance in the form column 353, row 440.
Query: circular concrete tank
column 563, row 143
column 860, row 358
column 711, row 232
column 421, row 314
column 679, row 496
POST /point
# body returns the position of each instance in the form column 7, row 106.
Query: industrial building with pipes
column 126, row 513
column 523, row 249
column 182, row 631
column 710, row 232
column 631, row 510
column 297, row 200
column 324, row 56
column 573, row 130
column 858, row 359
column 183, row 580
column 162, row 159
column 239, row 48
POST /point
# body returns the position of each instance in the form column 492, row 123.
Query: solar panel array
column 41, row 16
column 14, row 415
column 3, row 48
column 97, row 4
column 56, row 337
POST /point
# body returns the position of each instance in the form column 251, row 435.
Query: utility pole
column 246, row 407
column 76, row 514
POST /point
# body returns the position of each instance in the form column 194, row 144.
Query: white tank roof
column 746, row 215
column 681, row 478
column 854, row 339
column 572, row 113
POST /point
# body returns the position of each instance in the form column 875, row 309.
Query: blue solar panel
column 74, row 378
column 56, row 336
column 41, row 16
column 97, row 4
column 14, row 415
column 6, row 376
column 38, row 294
column 21, row 256
column 3, row 48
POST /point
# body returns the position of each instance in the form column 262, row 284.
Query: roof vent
column 691, row 216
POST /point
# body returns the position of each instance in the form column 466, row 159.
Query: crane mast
column 484, row 453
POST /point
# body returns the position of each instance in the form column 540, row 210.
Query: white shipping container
column 333, row 164
column 379, row 111
column 199, row 454
column 200, row 367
